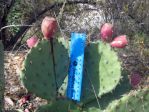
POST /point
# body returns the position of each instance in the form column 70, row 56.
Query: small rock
column 9, row 101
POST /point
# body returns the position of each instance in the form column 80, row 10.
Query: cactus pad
column 136, row 101
column 61, row 57
column 38, row 74
column 63, row 88
column 1, row 76
column 102, row 70
column 93, row 109
column 109, row 98
column 59, row 106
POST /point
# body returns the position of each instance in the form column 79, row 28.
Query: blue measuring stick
column 75, row 74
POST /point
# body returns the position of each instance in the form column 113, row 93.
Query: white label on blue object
column 76, row 66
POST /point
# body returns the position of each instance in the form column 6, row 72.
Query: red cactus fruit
column 135, row 79
column 24, row 99
column 31, row 42
column 106, row 32
column 119, row 42
column 26, row 110
column 48, row 27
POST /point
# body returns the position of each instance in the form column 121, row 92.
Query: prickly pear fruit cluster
column 48, row 27
column 106, row 33
column 1, row 76
column 41, row 75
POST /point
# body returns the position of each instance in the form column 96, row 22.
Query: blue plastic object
column 75, row 74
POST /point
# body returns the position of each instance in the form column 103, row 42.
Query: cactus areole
column 76, row 65
column 48, row 27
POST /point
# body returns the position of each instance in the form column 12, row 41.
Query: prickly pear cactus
column 44, row 68
column 1, row 76
column 136, row 101
column 45, row 73
column 102, row 70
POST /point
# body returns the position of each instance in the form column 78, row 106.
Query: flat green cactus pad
column 38, row 74
column 61, row 57
column 136, row 101
column 63, row 88
column 1, row 76
column 59, row 106
column 109, row 98
column 102, row 70
column 92, row 109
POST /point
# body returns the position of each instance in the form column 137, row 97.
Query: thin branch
column 9, row 26
column 23, row 29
